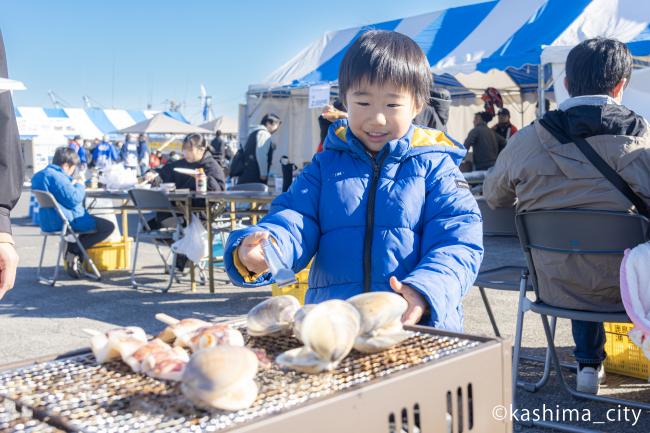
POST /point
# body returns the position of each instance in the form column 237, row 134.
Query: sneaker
column 73, row 265
column 589, row 379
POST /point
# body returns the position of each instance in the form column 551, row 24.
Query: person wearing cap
column 504, row 128
column 75, row 144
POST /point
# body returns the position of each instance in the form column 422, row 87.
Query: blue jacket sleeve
column 292, row 222
column 451, row 247
column 67, row 194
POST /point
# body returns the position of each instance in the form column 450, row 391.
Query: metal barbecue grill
column 78, row 395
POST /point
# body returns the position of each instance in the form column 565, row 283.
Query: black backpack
column 244, row 156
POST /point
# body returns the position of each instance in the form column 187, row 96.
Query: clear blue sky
column 127, row 54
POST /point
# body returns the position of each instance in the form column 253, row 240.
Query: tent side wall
column 299, row 134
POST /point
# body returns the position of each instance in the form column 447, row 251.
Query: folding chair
column 47, row 201
column 571, row 231
column 498, row 222
column 146, row 201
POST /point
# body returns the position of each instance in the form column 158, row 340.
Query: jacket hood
column 591, row 120
column 417, row 141
column 256, row 128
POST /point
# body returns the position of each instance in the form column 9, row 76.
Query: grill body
column 430, row 383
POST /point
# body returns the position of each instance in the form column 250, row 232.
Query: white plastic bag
column 194, row 243
column 117, row 177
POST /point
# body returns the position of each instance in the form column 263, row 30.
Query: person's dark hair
column 383, row 57
column 195, row 140
column 596, row 66
column 218, row 133
column 65, row 155
column 270, row 118
column 485, row 116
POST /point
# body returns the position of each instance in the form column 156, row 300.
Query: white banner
column 319, row 96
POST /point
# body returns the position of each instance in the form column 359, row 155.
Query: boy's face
column 378, row 114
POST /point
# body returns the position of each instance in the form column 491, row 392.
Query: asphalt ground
column 38, row 320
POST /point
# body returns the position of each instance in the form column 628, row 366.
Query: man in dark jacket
column 543, row 168
column 436, row 113
column 11, row 180
column 486, row 144
column 218, row 147
column 259, row 150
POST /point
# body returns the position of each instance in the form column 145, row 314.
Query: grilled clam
column 272, row 316
column 221, row 378
column 299, row 317
column 381, row 325
column 328, row 332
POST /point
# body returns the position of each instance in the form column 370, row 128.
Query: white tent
column 491, row 44
column 7, row 84
column 225, row 124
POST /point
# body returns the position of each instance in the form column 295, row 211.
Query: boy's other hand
column 251, row 254
column 417, row 304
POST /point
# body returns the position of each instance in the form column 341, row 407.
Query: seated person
column 384, row 206
column 195, row 156
column 542, row 168
column 57, row 179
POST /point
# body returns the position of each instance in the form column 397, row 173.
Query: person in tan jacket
column 542, row 168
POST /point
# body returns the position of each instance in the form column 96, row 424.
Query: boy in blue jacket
column 384, row 206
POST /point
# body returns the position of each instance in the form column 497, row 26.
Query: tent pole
column 541, row 106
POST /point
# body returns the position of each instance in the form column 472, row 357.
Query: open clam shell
column 272, row 316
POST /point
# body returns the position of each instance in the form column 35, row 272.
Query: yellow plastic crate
column 111, row 256
column 623, row 356
column 298, row 290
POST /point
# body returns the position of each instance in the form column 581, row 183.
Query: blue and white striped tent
column 89, row 123
column 496, row 43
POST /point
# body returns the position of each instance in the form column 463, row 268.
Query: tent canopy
column 503, row 38
column 7, row 84
column 225, row 124
column 163, row 124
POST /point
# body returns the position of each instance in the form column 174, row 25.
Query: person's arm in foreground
column 11, row 176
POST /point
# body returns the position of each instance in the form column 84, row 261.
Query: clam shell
column 299, row 317
column 378, row 310
column 221, row 377
column 272, row 316
column 328, row 331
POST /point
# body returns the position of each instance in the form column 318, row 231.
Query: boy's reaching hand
column 417, row 304
column 250, row 252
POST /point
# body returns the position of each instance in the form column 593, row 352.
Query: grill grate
column 94, row 398
column 13, row 419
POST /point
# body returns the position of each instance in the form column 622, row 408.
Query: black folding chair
column 47, row 201
column 147, row 201
column 571, row 231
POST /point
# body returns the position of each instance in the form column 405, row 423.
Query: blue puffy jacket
column 70, row 196
column 406, row 213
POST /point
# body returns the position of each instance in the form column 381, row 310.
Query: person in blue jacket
column 57, row 179
column 384, row 206
column 130, row 154
column 105, row 154
column 77, row 147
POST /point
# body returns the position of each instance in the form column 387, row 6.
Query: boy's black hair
column 596, row 66
column 381, row 57
column 65, row 155
column 270, row 118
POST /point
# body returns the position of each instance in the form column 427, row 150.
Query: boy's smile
column 380, row 113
